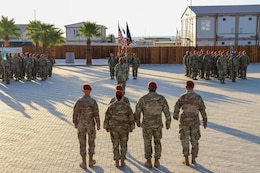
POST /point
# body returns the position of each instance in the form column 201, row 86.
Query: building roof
column 227, row 9
column 81, row 23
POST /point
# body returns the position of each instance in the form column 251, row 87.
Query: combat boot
column 91, row 162
column 123, row 162
column 148, row 163
column 117, row 163
column 156, row 163
column 193, row 161
column 186, row 161
column 83, row 164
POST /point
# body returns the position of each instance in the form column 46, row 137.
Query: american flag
column 120, row 36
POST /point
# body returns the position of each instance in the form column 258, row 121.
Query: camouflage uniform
column 135, row 65
column 16, row 64
column 186, row 63
column 43, row 67
column 112, row 61
column 151, row 106
column 119, row 121
column 50, row 63
column 201, row 65
column 233, row 64
column 28, row 65
column 7, row 69
column 189, row 128
column 222, row 68
column 121, row 71
column 125, row 99
column 194, row 63
column 85, row 116
column 244, row 61
column 207, row 61
column 35, row 66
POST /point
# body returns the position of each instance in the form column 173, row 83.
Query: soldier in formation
column 243, row 61
column 216, row 64
column 121, row 72
column 189, row 129
column 222, row 67
column 135, row 62
column 119, row 121
column 151, row 106
column 7, row 68
column 112, row 61
column 27, row 67
column 85, row 118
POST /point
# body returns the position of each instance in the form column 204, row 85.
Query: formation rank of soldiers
column 26, row 66
column 216, row 64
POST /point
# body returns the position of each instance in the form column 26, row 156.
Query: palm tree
column 44, row 35
column 89, row 30
column 7, row 29
column 33, row 31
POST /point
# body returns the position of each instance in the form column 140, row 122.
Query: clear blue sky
column 144, row 17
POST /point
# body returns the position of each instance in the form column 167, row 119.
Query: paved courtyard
column 37, row 134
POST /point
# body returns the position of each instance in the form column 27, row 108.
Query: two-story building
column 72, row 30
column 220, row 25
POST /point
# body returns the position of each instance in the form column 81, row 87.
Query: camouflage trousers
column 135, row 71
column 83, row 132
column 156, row 134
column 243, row 71
column 222, row 74
column 112, row 71
column 119, row 140
column 194, row 72
column 122, row 83
column 189, row 134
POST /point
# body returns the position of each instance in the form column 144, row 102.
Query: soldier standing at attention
column 7, row 68
column 186, row 63
column 119, row 121
column 28, row 65
column 189, row 128
column 151, row 106
column 85, row 117
column 121, row 71
column 135, row 65
column 244, row 61
column 112, row 63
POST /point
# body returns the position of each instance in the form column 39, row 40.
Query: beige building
column 72, row 30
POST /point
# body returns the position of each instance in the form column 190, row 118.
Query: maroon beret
column 119, row 87
column 119, row 93
column 190, row 84
column 87, row 87
column 152, row 84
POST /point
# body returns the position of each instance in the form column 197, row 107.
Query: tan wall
column 148, row 55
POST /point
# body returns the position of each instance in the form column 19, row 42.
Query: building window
column 205, row 25
column 75, row 31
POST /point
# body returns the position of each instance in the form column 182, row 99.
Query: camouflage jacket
column 121, row 71
column 125, row 99
column 119, row 115
column 151, row 106
column 86, row 112
column 191, row 104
